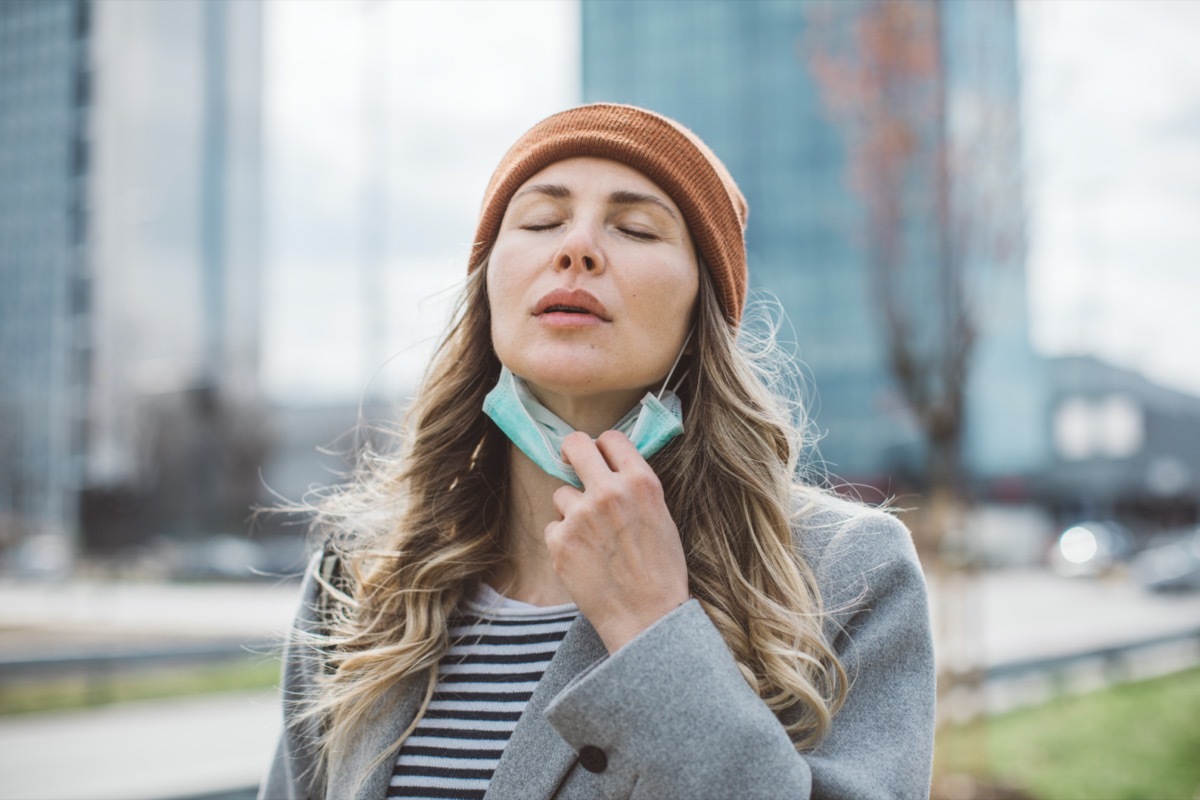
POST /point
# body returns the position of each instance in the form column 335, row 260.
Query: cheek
column 666, row 303
column 499, row 299
column 505, row 276
column 502, row 288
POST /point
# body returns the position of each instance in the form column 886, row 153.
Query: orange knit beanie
column 662, row 150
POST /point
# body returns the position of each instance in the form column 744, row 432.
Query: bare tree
column 934, row 170
column 934, row 166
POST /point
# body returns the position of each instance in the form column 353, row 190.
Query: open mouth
column 577, row 302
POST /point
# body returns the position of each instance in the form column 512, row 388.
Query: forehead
column 585, row 174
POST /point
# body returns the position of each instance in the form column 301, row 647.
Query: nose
column 579, row 250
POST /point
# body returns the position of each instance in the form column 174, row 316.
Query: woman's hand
column 616, row 547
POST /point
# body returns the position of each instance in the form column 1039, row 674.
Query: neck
column 593, row 414
column 527, row 573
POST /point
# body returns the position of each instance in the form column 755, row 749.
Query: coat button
column 593, row 758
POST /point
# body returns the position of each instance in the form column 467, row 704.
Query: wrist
column 616, row 633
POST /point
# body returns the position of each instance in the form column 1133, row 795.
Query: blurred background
column 231, row 231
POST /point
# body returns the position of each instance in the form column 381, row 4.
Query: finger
column 581, row 453
column 553, row 535
column 619, row 453
column 565, row 498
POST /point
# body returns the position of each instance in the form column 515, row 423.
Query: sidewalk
column 140, row 751
column 1033, row 613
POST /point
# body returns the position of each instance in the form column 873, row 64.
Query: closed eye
column 645, row 236
column 541, row 226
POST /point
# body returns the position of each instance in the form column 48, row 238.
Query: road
column 178, row 748
column 1033, row 613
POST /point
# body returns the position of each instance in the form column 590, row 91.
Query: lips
column 571, row 301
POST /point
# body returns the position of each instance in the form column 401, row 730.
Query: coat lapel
column 536, row 759
column 352, row 775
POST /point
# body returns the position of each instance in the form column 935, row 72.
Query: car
column 1171, row 562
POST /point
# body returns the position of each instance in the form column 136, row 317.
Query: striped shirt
column 499, row 649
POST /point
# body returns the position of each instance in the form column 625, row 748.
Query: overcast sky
column 464, row 80
column 1112, row 107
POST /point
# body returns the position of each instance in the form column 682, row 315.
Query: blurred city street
column 231, row 232
column 1033, row 614
column 216, row 743
column 152, row 749
column 194, row 746
column 94, row 611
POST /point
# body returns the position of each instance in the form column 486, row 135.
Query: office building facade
column 740, row 74
column 44, row 281
column 129, row 257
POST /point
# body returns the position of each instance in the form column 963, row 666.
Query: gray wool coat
column 670, row 716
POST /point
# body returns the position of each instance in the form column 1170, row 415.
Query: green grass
column 1137, row 741
column 49, row 694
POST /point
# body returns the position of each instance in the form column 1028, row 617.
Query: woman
column 592, row 572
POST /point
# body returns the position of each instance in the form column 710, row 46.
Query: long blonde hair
column 416, row 529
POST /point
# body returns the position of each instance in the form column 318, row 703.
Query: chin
column 566, row 379
column 576, row 371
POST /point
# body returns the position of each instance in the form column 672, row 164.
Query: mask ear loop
column 671, row 371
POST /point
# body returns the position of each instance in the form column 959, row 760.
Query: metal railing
column 1113, row 656
column 113, row 661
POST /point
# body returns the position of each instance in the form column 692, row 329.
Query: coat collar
column 535, row 761
column 351, row 773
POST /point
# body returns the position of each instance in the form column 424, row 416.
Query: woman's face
column 592, row 282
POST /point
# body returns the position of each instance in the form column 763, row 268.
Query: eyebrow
column 625, row 197
column 555, row 190
column 621, row 197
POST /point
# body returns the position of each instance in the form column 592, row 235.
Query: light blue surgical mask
column 539, row 432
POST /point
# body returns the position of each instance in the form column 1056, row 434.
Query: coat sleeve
column 669, row 715
column 292, row 772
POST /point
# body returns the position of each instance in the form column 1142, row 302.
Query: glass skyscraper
column 44, row 286
column 129, row 260
column 738, row 73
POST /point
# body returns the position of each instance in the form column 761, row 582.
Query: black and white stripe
column 499, row 650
